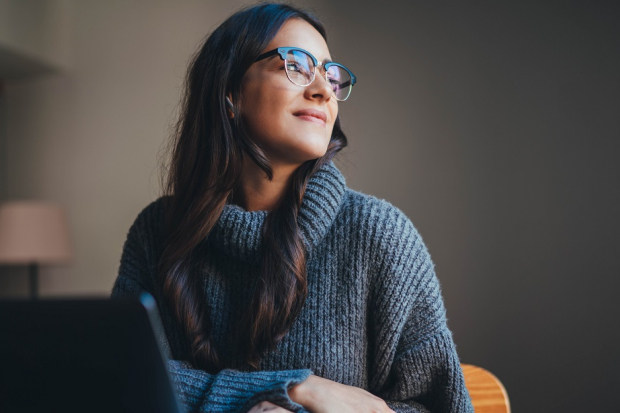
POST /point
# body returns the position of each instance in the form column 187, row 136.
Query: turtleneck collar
column 238, row 232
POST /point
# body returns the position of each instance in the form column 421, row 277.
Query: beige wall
column 37, row 31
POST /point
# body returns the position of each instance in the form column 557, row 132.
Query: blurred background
column 494, row 126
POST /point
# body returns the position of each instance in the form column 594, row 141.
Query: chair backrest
column 487, row 393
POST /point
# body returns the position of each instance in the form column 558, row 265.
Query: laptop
column 87, row 355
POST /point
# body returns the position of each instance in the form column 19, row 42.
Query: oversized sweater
column 374, row 317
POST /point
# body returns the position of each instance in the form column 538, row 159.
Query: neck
column 256, row 192
column 239, row 232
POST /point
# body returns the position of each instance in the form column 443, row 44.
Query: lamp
column 33, row 233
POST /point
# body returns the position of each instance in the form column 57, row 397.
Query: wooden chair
column 487, row 393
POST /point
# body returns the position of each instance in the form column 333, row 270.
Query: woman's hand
column 321, row 395
column 266, row 406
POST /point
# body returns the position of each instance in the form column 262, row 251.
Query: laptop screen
column 87, row 354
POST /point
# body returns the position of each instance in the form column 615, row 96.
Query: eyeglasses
column 301, row 67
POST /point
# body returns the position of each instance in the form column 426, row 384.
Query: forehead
column 299, row 33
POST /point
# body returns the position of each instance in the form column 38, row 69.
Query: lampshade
column 33, row 232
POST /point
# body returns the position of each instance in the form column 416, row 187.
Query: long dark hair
column 206, row 161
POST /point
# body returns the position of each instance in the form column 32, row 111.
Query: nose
column 320, row 88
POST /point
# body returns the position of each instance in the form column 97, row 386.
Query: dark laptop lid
column 84, row 354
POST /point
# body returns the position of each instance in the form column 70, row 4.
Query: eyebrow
column 324, row 61
column 273, row 53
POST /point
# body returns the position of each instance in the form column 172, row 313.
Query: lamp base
column 33, row 274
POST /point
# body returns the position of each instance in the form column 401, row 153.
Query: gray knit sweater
column 374, row 316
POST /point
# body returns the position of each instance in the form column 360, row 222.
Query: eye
column 294, row 66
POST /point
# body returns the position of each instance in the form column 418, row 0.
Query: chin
column 299, row 152
column 310, row 155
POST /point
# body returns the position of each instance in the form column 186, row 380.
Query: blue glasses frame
column 282, row 52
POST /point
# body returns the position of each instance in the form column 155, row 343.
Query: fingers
column 266, row 406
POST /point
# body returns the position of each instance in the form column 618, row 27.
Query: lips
column 312, row 115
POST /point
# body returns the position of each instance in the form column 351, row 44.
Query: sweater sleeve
column 415, row 367
column 199, row 391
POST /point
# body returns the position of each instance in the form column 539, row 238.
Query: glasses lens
column 299, row 67
column 340, row 80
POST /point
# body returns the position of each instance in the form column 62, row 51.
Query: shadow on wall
column 494, row 126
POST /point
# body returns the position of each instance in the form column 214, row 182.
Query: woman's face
column 270, row 104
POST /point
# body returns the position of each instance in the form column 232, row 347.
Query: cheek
column 334, row 115
column 262, row 110
column 268, row 119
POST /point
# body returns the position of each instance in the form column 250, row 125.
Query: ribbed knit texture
column 374, row 317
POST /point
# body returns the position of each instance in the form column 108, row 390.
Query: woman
column 280, row 288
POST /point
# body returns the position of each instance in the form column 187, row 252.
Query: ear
column 231, row 108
